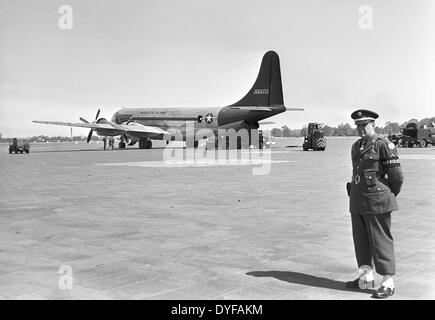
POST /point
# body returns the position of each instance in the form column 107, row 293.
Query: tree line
column 43, row 138
column 339, row 131
column 348, row 130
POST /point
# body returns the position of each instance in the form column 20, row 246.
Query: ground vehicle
column 264, row 140
column 411, row 135
column 396, row 139
column 19, row 145
column 314, row 138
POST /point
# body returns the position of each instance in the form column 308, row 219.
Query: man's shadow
column 308, row 280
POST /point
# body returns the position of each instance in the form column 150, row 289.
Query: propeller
column 89, row 136
column 86, row 121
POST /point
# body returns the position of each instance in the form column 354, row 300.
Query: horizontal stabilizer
column 252, row 108
column 266, row 122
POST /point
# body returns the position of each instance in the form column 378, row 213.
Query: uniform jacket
column 377, row 177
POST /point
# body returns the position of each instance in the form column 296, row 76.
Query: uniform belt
column 357, row 178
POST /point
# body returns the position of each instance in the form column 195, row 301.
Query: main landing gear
column 145, row 143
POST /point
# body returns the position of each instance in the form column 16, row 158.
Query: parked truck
column 411, row 136
column 19, row 145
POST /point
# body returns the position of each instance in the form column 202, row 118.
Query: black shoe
column 353, row 284
column 383, row 292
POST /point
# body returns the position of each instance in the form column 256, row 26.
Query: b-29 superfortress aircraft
column 264, row 100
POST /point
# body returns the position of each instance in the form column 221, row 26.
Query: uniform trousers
column 373, row 242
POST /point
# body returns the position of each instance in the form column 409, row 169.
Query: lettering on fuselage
column 152, row 112
column 261, row 91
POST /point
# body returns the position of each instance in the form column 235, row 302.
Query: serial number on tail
column 261, row 91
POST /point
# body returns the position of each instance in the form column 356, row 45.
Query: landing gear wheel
column 423, row 143
column 142, row 143
column 145, row 143
column 400, row 143
column 121, row 145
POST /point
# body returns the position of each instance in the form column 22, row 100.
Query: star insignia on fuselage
column 209, row 118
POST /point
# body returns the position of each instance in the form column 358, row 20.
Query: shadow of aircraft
column 97, row 149
column 65, row 150
column 308, row 280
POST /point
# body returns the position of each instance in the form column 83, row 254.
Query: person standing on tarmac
column 376, row 181
column 104, row 142
column 111, row 143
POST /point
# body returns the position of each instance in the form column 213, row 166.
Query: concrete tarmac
column 77, row 222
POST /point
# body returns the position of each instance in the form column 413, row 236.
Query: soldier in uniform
column 111, row 143
column 376, row 181
column 104, row 142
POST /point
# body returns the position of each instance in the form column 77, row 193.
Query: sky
column 199, row 53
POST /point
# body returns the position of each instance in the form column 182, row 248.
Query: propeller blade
column 89, row 136
column 84, row 120
column 98, row 113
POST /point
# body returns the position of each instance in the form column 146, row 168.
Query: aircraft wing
column 95, row 126
column 137, row 128
column 107, row 126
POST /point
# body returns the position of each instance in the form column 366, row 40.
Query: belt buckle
column 357, row 179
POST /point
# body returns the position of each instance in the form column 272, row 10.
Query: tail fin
column 267, row 89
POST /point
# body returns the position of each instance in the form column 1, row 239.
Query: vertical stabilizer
column 267, row 89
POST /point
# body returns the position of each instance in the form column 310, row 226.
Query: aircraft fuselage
column 212, row 118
